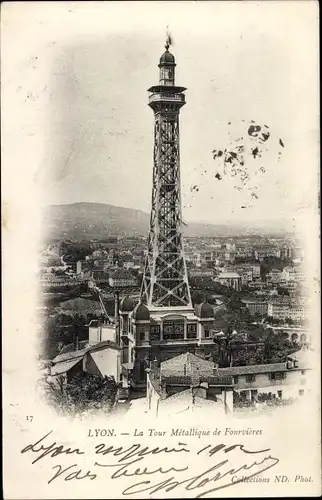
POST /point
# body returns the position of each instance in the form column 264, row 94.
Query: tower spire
column 168, row 40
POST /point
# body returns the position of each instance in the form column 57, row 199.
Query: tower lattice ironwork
column 165, row 280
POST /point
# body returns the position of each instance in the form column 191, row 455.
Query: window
column 301, row 392
column 155, row 332
column 173, row 330
column 191, row 330
column 207, row 332
column 236, row 379
column 277, row 376
column 279, row 394
column 124, row 324
column 142, row 334
column 250, row 378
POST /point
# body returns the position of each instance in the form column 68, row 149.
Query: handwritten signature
column 128, row 459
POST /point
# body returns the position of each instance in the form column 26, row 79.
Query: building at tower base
column 153, row 335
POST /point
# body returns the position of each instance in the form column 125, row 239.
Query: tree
column 82, row 394
column 257, row 316
column 197, row 297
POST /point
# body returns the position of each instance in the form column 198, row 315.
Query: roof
column 80, row 304
column 187, row 400
column 186, row 364
column 204, row 310
column 178, row 395
column 64, row 367
column 94, row 323
column 141, row 312
column 167, row 58
column 127, row 304
column 254, row 301
column 253, row 369
column 67, row 356
column 226, row 275
column 122, row 274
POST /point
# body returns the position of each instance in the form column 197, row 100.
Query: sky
column 78, row 79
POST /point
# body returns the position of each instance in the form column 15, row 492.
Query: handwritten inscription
column 116, row 462
column 52, row 450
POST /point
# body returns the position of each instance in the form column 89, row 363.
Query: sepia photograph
column 161, row 247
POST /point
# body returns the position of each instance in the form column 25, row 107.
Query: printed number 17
column 29, row 418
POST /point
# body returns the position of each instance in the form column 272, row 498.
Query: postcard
column 160, row 223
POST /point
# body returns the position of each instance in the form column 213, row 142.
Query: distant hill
column 98, row 220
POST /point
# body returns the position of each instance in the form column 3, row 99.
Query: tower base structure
column 151, row 335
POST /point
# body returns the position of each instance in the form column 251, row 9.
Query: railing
column 167, row 97
column 187, row 379
column 174, row 341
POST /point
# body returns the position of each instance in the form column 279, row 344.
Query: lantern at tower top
column 167, row 65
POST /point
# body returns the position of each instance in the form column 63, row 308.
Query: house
column 103, row 359
column 189, row 401
column 187, row 364
column 201, row 273
column 51, row 280
column 256, row 306
column 275, row 276
column 284, row 309
column 294, row 273
column 186, row 383
column 229, row 279
column 281, row 380
column 256, row 271
column 121, row 278
column 99, row 331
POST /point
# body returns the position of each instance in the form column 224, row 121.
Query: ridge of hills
column 88, row 221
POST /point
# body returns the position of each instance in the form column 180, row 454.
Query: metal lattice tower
column 165, row 280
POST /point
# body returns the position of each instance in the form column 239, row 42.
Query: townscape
column 165, row 322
